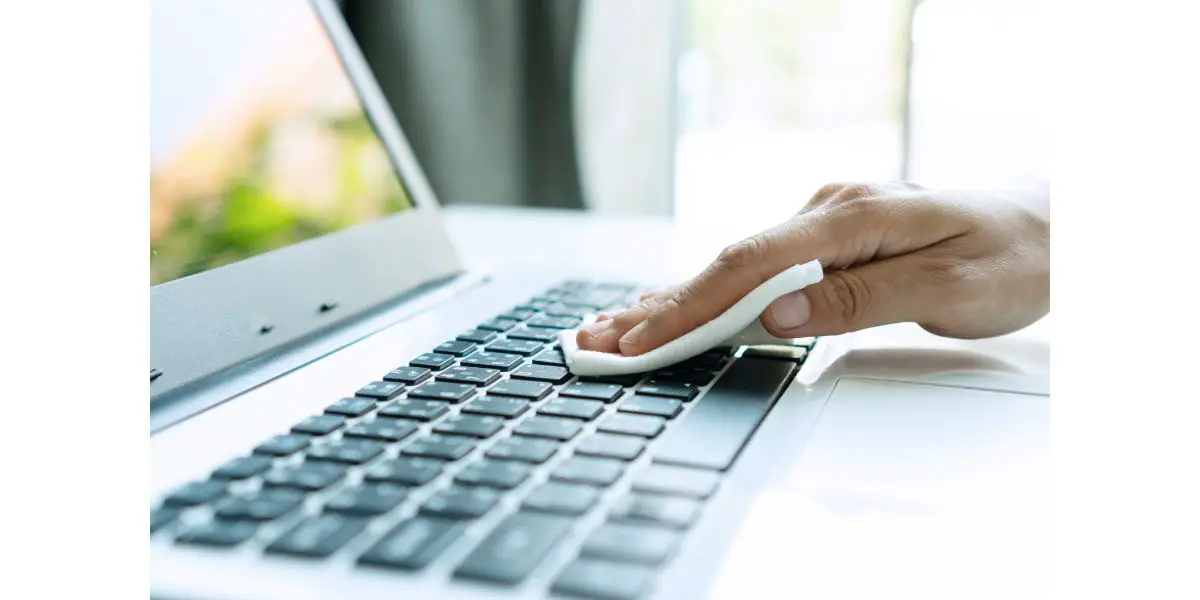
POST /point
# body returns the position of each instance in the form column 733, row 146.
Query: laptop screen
column 257, row 137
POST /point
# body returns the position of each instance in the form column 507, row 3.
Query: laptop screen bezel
column 210, row 322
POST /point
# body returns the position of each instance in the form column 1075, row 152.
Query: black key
column 568, row 407
column 432, row 360
column 677, row 481
column 368, row 500
column 622, row 287
column 441, row 390
column 626, row 542
column 455, row 347
column 696, row 376
column 477, row 336
column 673, row 389
column 318, row 536
column 629, row 380
column 387, row 430
column 264, row 505
column 413, row 544
column 681, row 391
column 517, row 314
column 522, row 347
column 603, row 580
column 470, row 375
column 707, row 361
column 504, row 362
column 533, row 390
column 494, row 473
column 623, row 447
column 538, row 335
column 380, row 390
column 218, row 533
column 444, row 447
column 283, row 445
column 461, row 502
column 547, row 373
column 514, row 548
column 319, row 424
column 593, row 391
column 712, row 434
column 351, row 407
column 524, row 449
column 498, row 406
column 596, row 299
column 562, row 498
column 408, row 375
column 555, row 428
column 574, row 284
column 353, row 452
column 480, row 426
column 643, row 425
column 161, row 517
column 667, row 511
column 306, row 476
column 548, row 322
column 558, row 310
column 550, row 357
column 497, row 325
column 196, row 493
column 649, row 405
column 532, row 306
column 242, row 467
column 406, row 470
column 589, row 470
column 421, row 410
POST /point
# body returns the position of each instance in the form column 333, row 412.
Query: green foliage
column 247, row 217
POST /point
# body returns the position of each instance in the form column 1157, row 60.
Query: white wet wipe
column 738, row 326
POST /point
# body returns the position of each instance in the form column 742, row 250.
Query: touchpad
column 925, row 487
column 927, row 445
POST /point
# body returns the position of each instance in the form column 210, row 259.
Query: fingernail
column 790, row 311
column 630, row 340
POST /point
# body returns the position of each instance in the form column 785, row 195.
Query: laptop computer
column 340, row 408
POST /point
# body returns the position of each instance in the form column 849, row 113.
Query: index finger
column 737, row 270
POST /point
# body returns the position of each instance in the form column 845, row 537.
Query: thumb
column 896, row 290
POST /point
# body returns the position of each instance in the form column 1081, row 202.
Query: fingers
column 604, row 335
column 737, row 271
column 907, row 288
column 843, row 227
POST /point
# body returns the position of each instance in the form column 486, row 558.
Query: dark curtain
column 483, row 91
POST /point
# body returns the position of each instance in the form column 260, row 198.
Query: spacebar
column 712, row 434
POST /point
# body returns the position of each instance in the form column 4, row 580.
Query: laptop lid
column 284, row 198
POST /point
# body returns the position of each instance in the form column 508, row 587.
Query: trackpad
column 909, row 487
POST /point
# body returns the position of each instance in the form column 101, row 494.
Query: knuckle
column 837, row 188
column 827, row 191
column 750, row 252
column 849, row 296
column 851, row 192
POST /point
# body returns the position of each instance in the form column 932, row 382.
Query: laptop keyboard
column 494, row 414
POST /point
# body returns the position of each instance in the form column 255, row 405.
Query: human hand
column 959, row 264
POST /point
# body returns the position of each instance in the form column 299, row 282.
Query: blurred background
column 724, row 114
